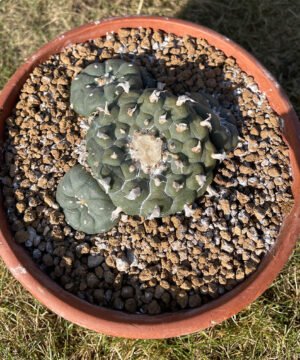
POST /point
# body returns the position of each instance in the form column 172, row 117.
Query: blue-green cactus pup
column 100, row 84
column 153, row 153
column 86, row 206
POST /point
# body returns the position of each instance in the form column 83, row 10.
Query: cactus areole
column 150, row 153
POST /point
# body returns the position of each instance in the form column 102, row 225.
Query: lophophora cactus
column 151, row 152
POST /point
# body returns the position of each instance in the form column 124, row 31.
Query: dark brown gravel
column 147, row 266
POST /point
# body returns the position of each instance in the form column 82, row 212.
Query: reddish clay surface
column 117, row 323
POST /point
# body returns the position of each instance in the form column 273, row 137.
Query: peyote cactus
column 100, row 84
column 152, row 153
column 86, row 206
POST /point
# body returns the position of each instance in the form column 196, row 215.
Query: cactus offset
column 86, row 206
column 100, row 84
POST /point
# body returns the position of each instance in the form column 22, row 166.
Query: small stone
column 176, row 221
column 225, row 206
column 182, row 299
column 82, row 285
column 69, row 286
column 94, row 261
column 108, row 295
column 240, row 275
column 166, row 298
column 127, row 292
column 259, row 213
column 42, row 182
column 109, row 261
column 21, row 236
column 99, row 272
column 158, row 292
column 250, row 267
column 99, row 295
column 50, row 202
column 247, row 170
column 82, row 249
column 194, row 300
column 29, row 216
column 118, row 303
column 225, row 235
column 211, row 83
column 148, row 296
column 213, row 290
column 92, row 280
column 273, row 171
column 21, row 206
column 145, row 275
column 242, row 198
column 67, row 261
column 36, row 254
column 164, row 284
column 122, row 264
column 153, row 308
column 130, row 305
column 48, row 260
column 124, row 32
column 109, row 277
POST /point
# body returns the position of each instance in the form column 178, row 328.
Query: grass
column 270, row 327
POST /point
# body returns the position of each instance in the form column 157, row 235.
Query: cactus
column 86, row 206
column 100, row 84
column 150, row 153
column 154, row 152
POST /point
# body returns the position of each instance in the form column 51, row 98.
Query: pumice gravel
column 161, row 264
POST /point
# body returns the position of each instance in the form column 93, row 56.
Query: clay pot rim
column 116, row 323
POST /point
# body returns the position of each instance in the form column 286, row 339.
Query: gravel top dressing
column 164, row 264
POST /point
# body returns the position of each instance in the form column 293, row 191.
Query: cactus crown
column 151, row 152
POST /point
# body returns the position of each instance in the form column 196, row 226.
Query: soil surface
column 159, row 265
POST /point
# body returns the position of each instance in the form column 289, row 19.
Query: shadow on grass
column 269, row 29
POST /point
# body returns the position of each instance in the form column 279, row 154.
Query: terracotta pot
column 117, row 323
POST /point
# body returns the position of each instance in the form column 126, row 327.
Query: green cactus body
column 86, row 206
column 162, row 159
column 150, row 153
column 100, row 84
